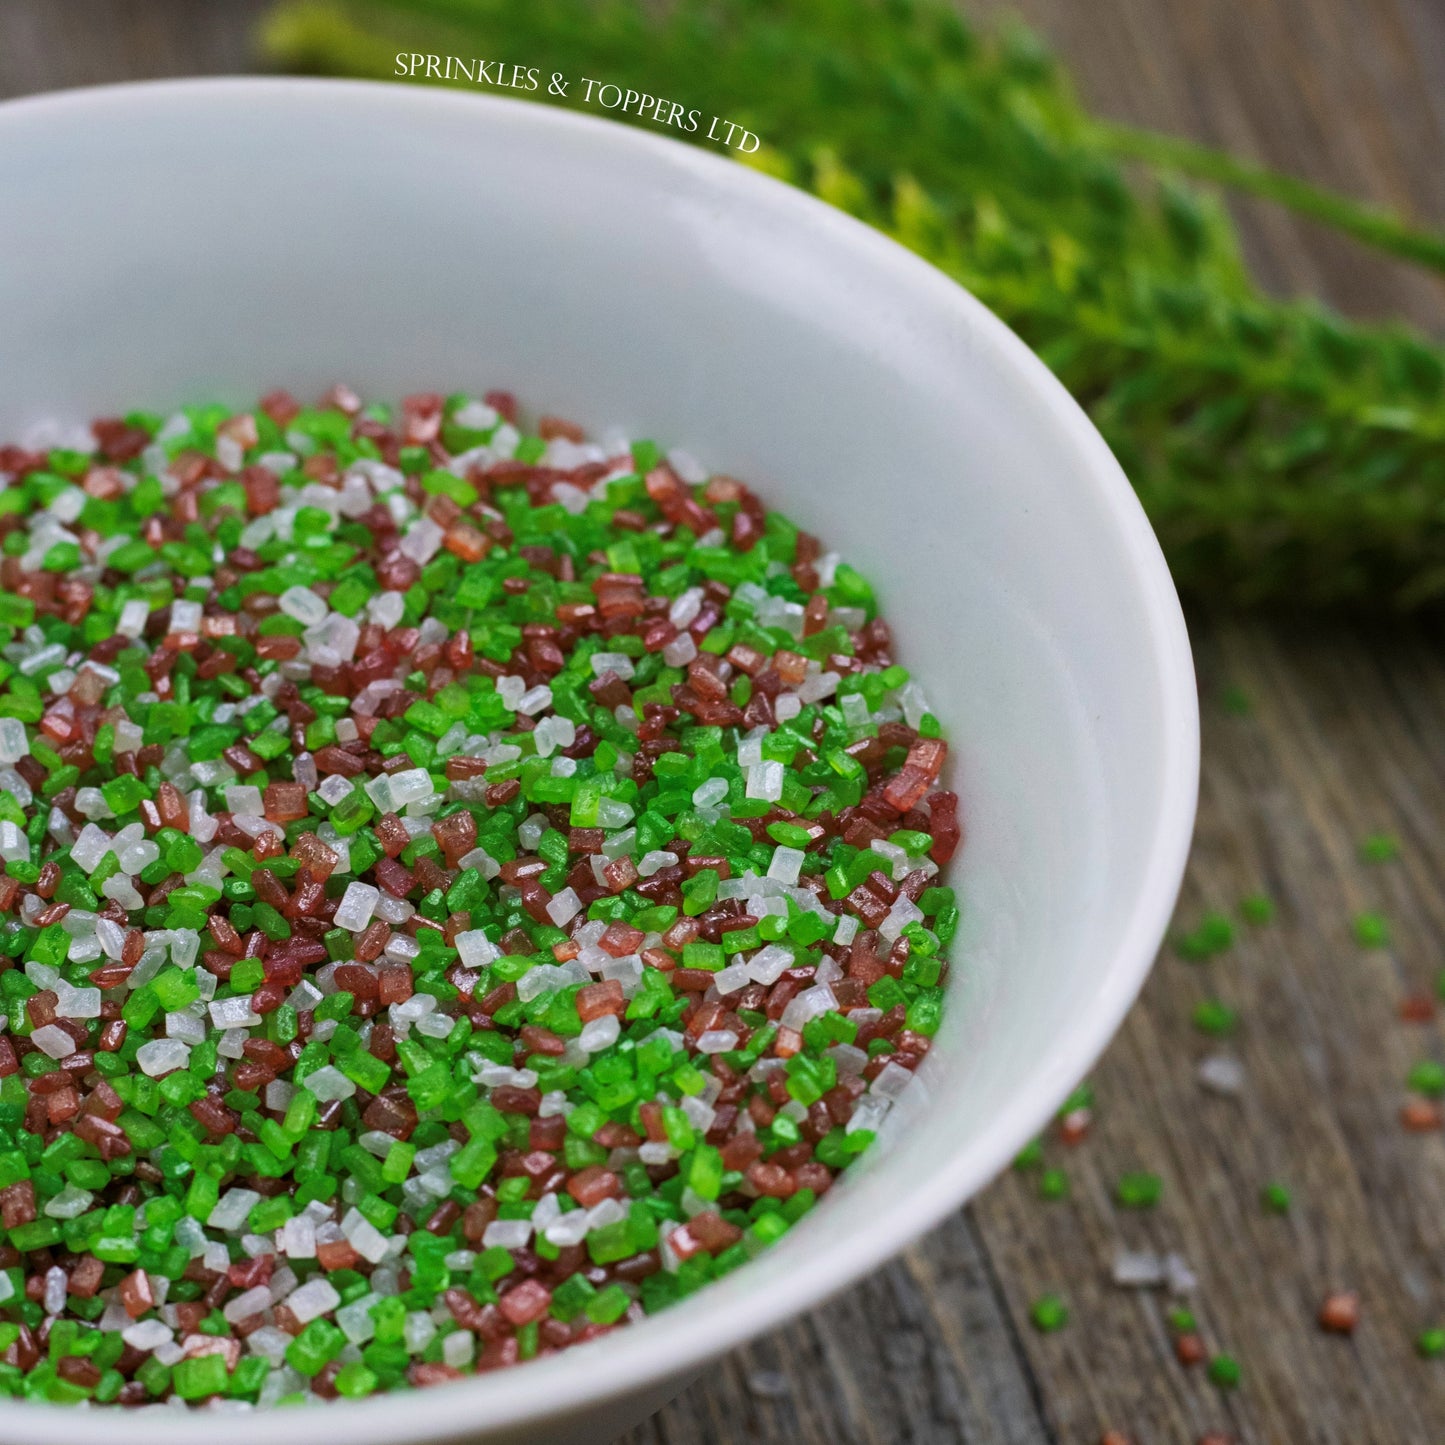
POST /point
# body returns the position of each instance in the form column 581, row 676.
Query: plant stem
column 1372, row 225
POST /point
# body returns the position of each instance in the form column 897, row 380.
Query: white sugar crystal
column 684, row 610
column 386, row 608
column 357, row 905
column 731, row 979
column 913, row 703
column 312, row 1300
column 69, row 1203
column 252, row 1302
column 185, row 616
column 1137, row 1269
column 808, row 1005
column 507, row 1233
column 535, row 700
column 476, row 416
column 765, row 781
column 76, row 1003
column 304, row 605
column 234, row 1013
column 148, row 1334
column 53, row 1041
column 1220, row 1074
column 614, row 813
column 54, row 1289
column 476, row 950
column 162, row 1056
column 599, row 1033
column 410, row 786
column 617, row 662
column 568, row 1229
column 185, row 1026
column 787, row 864
column 458, row 1348
column 133, row 615
column 232, row 1044
column 847, row 930
column 895, row 857
column 769, row 964
column 137, row 856
column 11, row 782
column 903, row 912
column 364, row 1237
column 13, row 745
column 610, row 1211
column 1178, row 1276
column 423, row 541
column 297, row 1237
column 334, row 788
column 109, row 933
column 14, row 846
column 892, row 1080
column 564, row 907
column 655, row 861
column 710, row 793
column 232, row 1209
column 418, row 1331
column 328, row 1083
column 553, row 733
column 869, row 1113
column 817, row 686
column 355, row 1321
column 750, row 751
column 244, row 802
column 680, row 651
column 122, row 890
column 715, row 1041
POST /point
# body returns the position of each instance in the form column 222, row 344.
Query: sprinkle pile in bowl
column 463, row 889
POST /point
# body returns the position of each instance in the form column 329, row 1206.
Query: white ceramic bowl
column 173, row 242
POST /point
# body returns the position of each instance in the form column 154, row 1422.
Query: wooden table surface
column 1341, row 738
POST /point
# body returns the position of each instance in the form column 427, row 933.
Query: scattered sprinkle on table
column 1421, row 1116
column 1189, row 1349
column 1049, row 1313
column 1276, row 1198
column 1215, row 1018
column 1224, row 1371
column 1139, row 1190
column 1427, row 1077
column 1053, row 1184
column 1372, row 930
column 1214, row 934
column 1340, row 1313
column 1417, row 1008
column 1257, row 909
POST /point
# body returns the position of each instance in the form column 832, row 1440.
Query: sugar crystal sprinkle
column 462, row 888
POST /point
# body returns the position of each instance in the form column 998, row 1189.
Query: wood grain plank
column 1288, row 793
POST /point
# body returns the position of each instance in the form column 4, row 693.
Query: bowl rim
column 630, row 1361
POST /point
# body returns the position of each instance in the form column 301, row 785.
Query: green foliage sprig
column 1285, row 455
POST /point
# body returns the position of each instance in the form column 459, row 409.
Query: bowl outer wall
column 167, row 242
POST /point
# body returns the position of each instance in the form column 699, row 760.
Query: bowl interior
column 168, row 243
